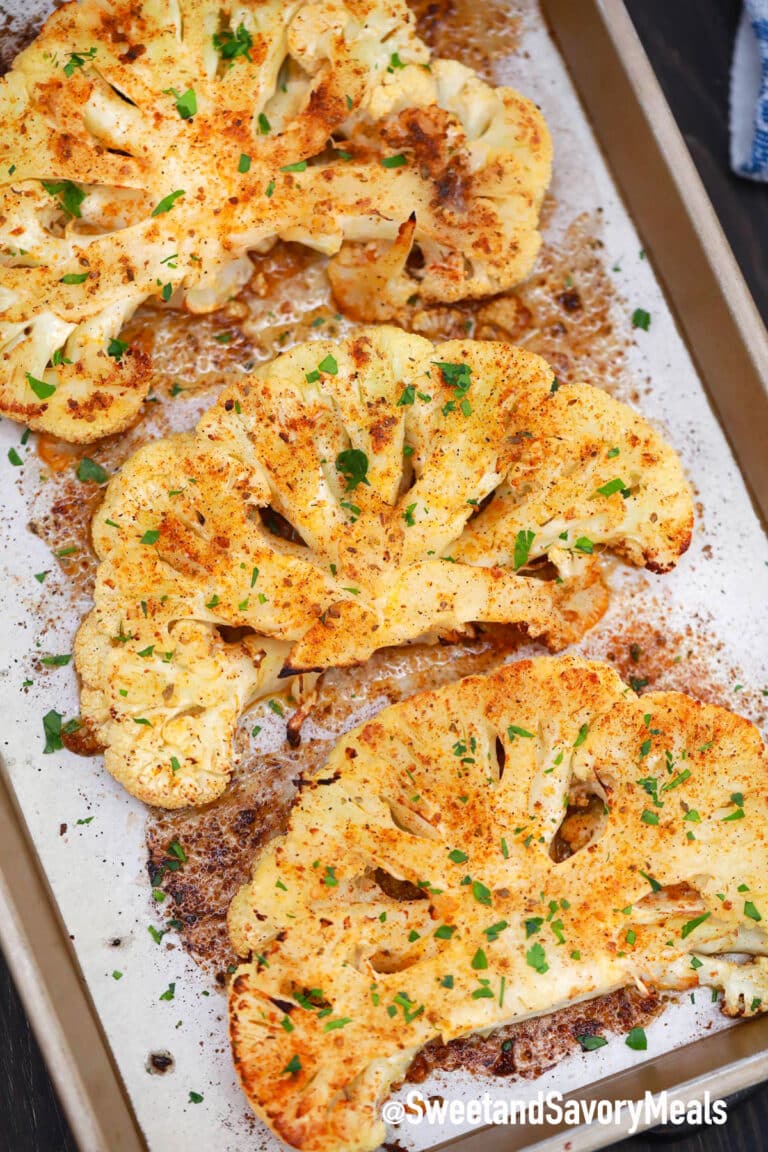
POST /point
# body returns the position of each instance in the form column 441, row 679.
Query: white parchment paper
column 98, row 870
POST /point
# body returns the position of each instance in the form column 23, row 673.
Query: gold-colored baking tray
column 727, row 340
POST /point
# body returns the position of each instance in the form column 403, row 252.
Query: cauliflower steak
column 441, row 876
column 151, row 147
column 345, row 498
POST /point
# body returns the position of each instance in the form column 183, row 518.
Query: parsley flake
column 523, row 542
column 353, row 466
column 41, row 388
column 70, row 197
column 590, row 1043
column 230, row 44
column 90, row 472
column 167, row 202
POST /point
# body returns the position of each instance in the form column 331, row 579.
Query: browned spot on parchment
column 478, row 34
column 528, row 1049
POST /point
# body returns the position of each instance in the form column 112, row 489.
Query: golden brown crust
column 460, row 794
column 155, row 146
column 421, row 490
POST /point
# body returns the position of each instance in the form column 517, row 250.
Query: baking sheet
column 708, row 610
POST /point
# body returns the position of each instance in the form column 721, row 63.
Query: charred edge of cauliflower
column 348, row 497
column 547, row 872
column 154, row 160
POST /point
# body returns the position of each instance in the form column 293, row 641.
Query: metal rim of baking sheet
column 726, row 337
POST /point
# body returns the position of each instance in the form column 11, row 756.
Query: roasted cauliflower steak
column 151, row 147
column 345, row 498
column 438, row 878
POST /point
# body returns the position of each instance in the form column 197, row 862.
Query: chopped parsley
column 74, row 278
column 458, row 377
column 583, row 733
column 523, row 542
column 655, row 886
column 41, row 388
column 641, row 319
column 70, row 197
column 244, row 163
column 680, row 778
column 167, row 202
column 481, row 893
column 340, row 1022
column 116, row 349
column 52, row 730
column 535, row 958
column 590, row 1043
column 692, row 925
column 612, row 487
column 230, row 44
column 77, row 60
column 90, row 472
column 329, row 365
column 293, row 1067
column 353, row 466
column 186, row 103
column 513, row 730
column 264, row 125
column 398, row 161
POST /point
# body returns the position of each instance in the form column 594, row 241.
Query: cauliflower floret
column 327, row 505
column 154, row 146
column 173, row 705
column 465, row 796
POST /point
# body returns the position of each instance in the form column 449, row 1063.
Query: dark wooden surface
column 689, row 42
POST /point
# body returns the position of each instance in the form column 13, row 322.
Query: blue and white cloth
column 749, row 93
